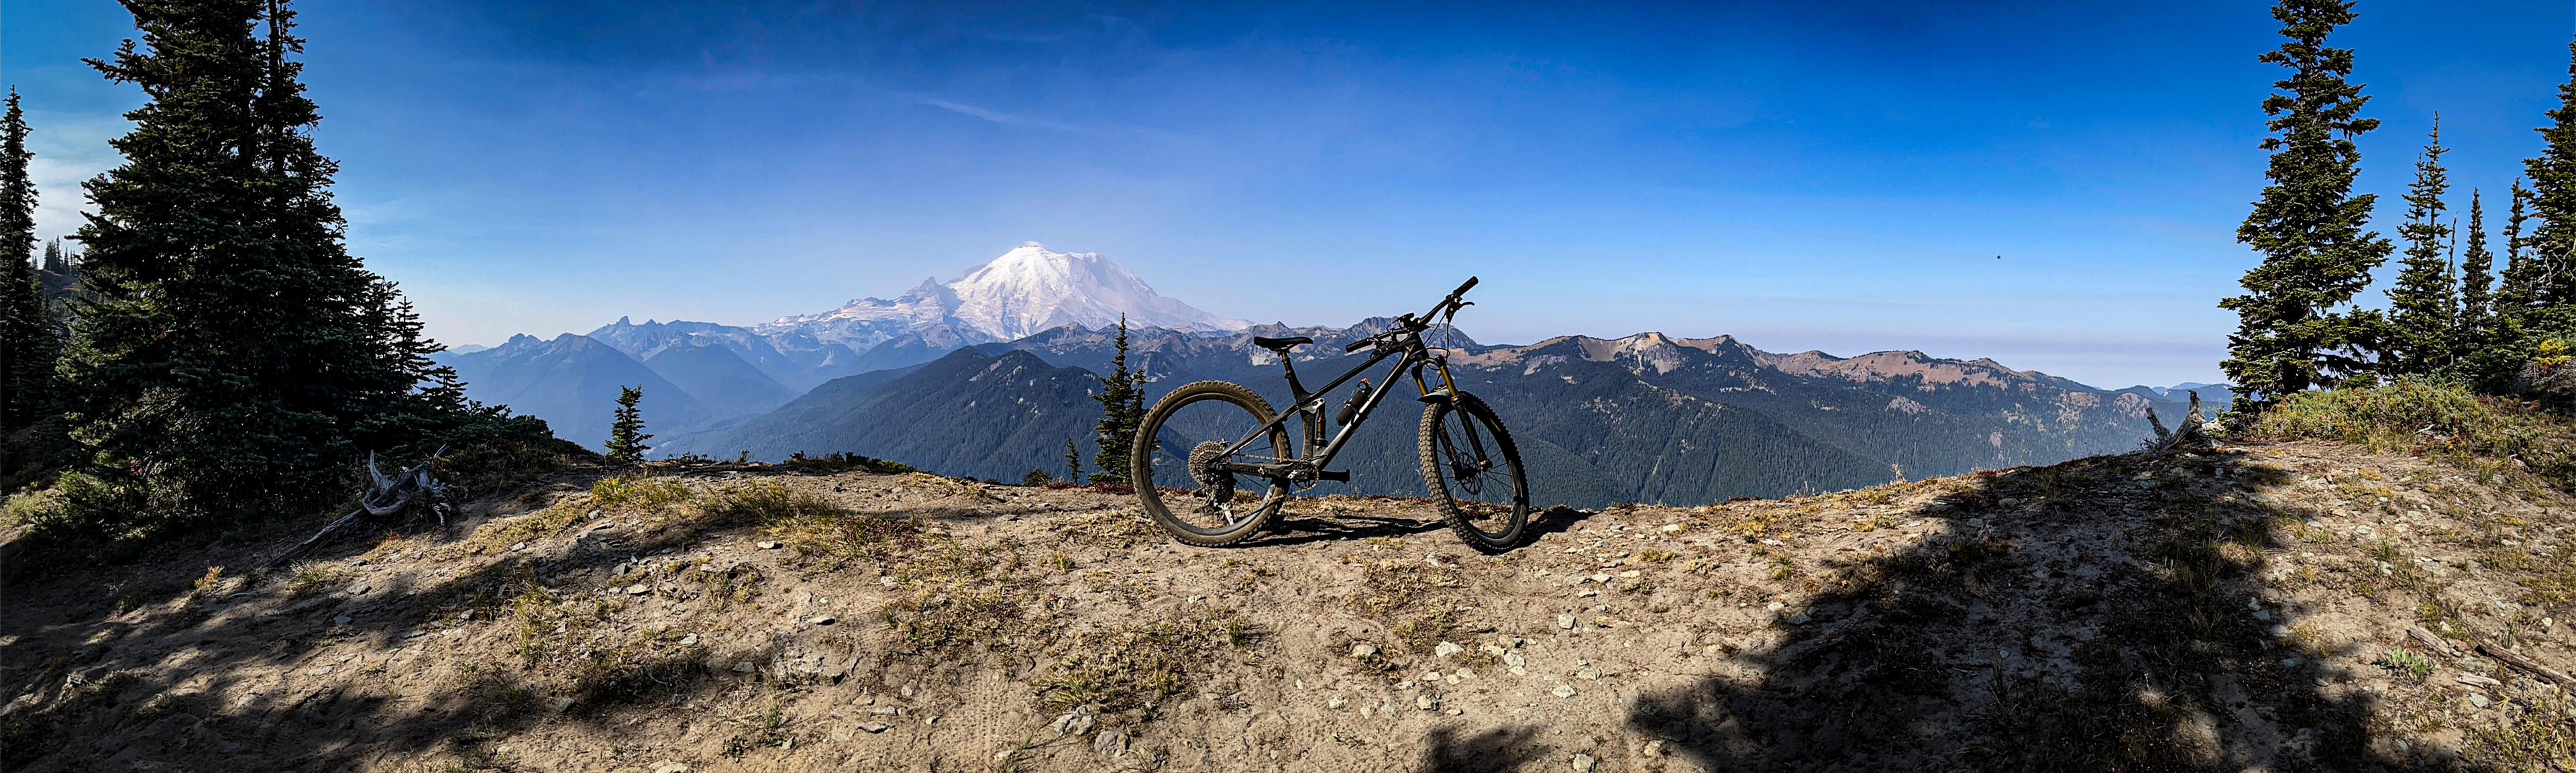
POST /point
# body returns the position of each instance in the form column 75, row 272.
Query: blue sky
column 1836, row 176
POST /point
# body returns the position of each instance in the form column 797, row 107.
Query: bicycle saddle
column 1280, row 344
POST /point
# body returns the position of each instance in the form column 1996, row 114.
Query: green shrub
column 2415, row 416
column 844, row 461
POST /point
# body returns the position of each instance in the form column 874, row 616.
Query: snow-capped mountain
column 1024, row 291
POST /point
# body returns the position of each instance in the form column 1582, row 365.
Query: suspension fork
column 1449, row 388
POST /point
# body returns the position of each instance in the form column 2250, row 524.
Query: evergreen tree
column 1072, row 463
column 27, row 344
column 626, row 435
column 2552, row 244
column 2423, row 302
column 54, row 255
column 1122, row 413
column 2515, row 289
column 2294, row 328
column 2476, row 327
column 233, row 358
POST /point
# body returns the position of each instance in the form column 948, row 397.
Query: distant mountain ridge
column 1647, row 417
column 988, row 375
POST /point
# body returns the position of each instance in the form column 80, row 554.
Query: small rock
column 1589, row 673
column 1586, row 593
column 770, row 545
column 1671, row 527
column 359, row 589
column 1583, row 763
column 1511, row 658
column 563, row 703
column 1336, row 702
column 745, row 667
column 1601, row 578
column 1075, row 722
column 1655, row 748
column 690, row 640
column 1799, row 619
column 821, row 620
column 1426, row 702
column 1112, row 742
column 1446, row 649
column 637, row 589
column 1565, row 622
column 1563, row 691
column 518, row 547
column 2478, row 680
column 319, row 670
column 1632, row 574
column 1363, row 650
column 874, row 727
column 2477, row 700
column 670, row 767
column 887, row 710
column 341, row 620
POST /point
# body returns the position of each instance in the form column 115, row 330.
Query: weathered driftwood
column 2516, row 660
column 2193, row 435
column 2437, row 644
column 389, row 495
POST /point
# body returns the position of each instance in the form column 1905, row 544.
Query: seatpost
column 1311, row 420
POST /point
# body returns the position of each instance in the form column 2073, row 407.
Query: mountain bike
column 1214, row 463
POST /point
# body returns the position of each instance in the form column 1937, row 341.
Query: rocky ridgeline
column 2260, row 606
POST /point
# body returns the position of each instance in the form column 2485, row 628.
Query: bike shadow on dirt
column 1304, row 528
column 2102, row 614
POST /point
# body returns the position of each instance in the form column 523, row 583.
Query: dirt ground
column 2297, row 606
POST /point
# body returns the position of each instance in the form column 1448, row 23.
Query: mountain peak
column 1026, row 290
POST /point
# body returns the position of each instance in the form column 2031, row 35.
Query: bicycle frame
column 1410, row 354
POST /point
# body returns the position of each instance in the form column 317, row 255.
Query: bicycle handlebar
column 1409, row 323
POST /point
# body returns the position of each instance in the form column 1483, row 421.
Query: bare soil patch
column 2287, row 606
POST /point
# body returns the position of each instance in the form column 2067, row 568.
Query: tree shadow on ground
column 1499, row 750
column 262, row 687
column 2093, row 615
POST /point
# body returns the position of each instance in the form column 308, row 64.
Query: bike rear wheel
column 1474, row 473
column 1189, row 431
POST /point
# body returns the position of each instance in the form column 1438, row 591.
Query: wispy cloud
column 1003, row 118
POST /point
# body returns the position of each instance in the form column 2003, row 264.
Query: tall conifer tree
column 2423, row 302
column 2552, row 243
column 235, row 357
column 2515, row 291
column 2476, row 325
column 1122, row 413
column 27, row 343
column 2295, row 329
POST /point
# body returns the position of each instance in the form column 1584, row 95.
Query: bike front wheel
column 1177, row 456
column 1474, row 473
